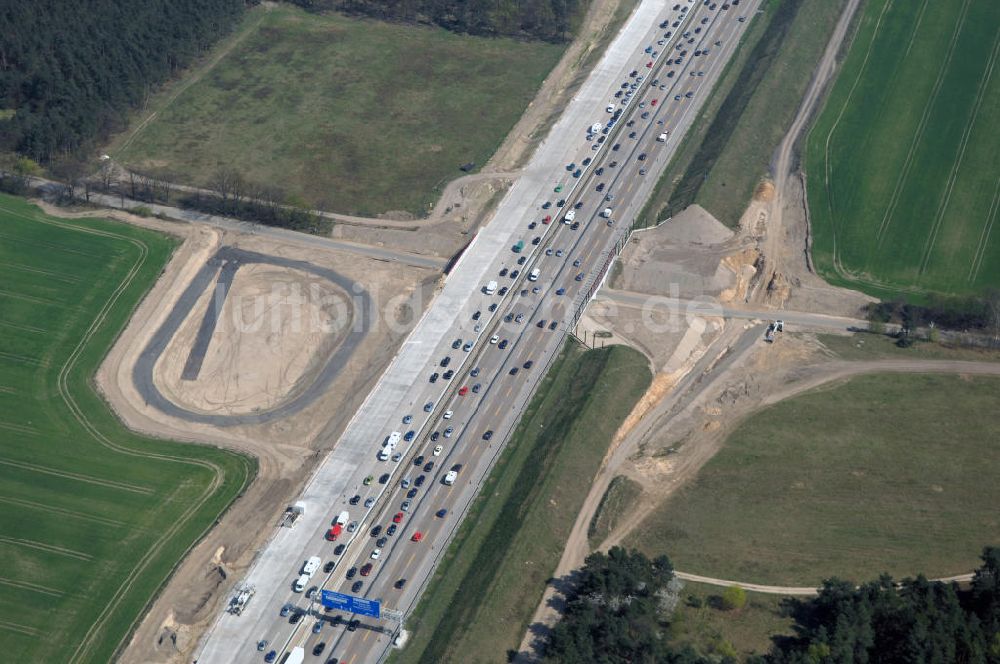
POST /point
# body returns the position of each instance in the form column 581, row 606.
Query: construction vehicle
column 244, row 593
column 292, row 515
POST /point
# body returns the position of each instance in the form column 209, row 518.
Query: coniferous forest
column 69, row 71
column 549, row 20
column 621, row 607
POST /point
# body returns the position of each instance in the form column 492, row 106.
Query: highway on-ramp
column 571, row 263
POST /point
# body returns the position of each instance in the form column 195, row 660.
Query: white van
column 662, row 138
column 610, row 108
column 534, row 275
column 490, row 288
column 312, row 565
column 606, row 213
column 449, row 479
column 570, row 216
column 300, row 583
column 342, row 519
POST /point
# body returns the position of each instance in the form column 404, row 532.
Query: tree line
column 70, row 71
column 548, row 20
column 620, row 608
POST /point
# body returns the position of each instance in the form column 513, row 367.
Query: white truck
column 389, row 446
column 293, row 514
column 534, row 275
column 308, row 569
column 296, row 656
column 662, row 138
column 570, row 216
column 490, row 288
column 343, row 518
column 450, row 477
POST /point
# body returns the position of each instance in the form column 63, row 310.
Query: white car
column 376, row 553
column 448, row 414
column 495, row 338
column 438, row 450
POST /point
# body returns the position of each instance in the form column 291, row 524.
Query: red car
column 547, row 219
column 649, row 65
column 417, row 536
column 462, row 392
column 653, row 103
column 398, row 518
column 366, row 570
column 334, row 532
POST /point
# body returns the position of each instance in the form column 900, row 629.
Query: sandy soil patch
column 682, row 258
column 274, row 331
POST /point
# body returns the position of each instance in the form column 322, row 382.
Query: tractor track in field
column 218, row 474
column 918, row 135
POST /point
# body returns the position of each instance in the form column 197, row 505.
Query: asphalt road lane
column 588, row 243
column 499, row 404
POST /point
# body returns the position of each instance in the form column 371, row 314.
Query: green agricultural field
column 92, row 517
column 885, row 473
column 723, row 158
column 904, row 162
column 350, row 115
column 482, row 597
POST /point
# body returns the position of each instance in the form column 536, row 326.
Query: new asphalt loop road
column 222, row 268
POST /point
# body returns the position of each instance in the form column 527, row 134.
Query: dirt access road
column 725, row 373
column 467, row 201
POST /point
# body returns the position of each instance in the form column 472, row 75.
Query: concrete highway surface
column 504, row 376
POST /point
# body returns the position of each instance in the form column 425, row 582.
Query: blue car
column 579, row 277
column 441, row 513
column 429, row 406
column 409, row 436
column 561, row 291
column 271, row 656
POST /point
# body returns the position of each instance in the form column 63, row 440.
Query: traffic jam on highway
column 409, row 505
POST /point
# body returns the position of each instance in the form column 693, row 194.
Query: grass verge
column 882, row 473
column 482, row 596
column 345, row 114
column 903, row 159
column 620, row 496
column 869, row 346
column 94, row 517
column 728, row 151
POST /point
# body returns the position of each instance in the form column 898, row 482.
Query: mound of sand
column 680, row 258
column 276, row 329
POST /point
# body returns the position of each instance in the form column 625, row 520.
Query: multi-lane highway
column 492, row 381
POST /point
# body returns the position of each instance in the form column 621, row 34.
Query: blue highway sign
column 351, row 604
